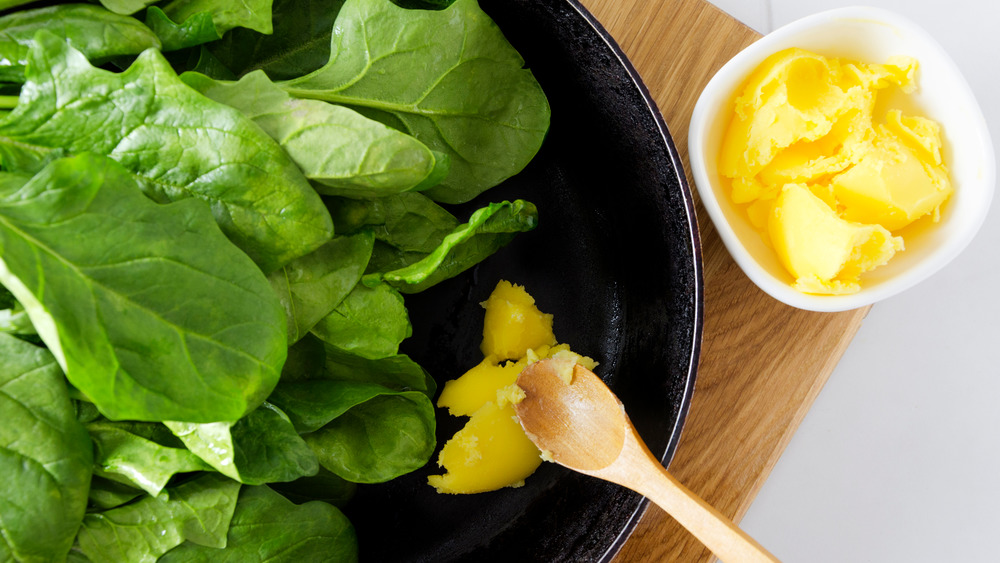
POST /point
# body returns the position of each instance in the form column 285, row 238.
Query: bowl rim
column 720, row 89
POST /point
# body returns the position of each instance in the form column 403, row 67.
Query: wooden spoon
column 583, row 426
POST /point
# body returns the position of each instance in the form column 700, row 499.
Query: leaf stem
column 8, row 102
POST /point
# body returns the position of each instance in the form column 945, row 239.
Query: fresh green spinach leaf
column 398, row 372
column 186, row 23
column 15, row 320
column 408, row 226
column 45, row 456
column 488, row 230
column 126, row 7
column 409, row 221
column 96, row 32
column 369, row 322
column 133, row 460
column 178, row 324
column 311, row 286
column 378, row 440
column 325, row 486
column 7, row 299
column 105, row 494
column 449, row 76
column 262, row 447
column 227, row 14
column 195, row 30
column 198, row 511
column 368, row 421
column 268, row 528
column 8, row 4
column 85, row 411
column 208, row 64
column 423, row 4
column 388, row 258
column 312, row 404
column 176, row 142
column 300, row 43
column 337, row 148
column 155, row 432
column 306, row 359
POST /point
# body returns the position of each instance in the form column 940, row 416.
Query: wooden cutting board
column 762, row 362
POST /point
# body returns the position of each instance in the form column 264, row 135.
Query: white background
column 899, row 458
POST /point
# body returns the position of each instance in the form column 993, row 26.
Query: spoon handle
column 640, row 471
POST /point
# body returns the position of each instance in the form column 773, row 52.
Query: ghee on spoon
column 577, row 422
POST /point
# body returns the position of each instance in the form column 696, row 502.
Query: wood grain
column 763, row 363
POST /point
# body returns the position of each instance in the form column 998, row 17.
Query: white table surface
column 899, row 457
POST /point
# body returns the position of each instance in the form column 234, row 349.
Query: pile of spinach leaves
column 209, row 213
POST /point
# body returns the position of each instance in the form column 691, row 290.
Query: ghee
column 491, row 451
column 826, row 186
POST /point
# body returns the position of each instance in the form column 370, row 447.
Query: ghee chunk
column 827, row 186
column 491, row 451
column 897, row 181
column 513, row 323
column 478, row 386
column 825, row 253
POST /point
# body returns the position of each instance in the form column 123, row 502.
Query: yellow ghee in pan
column 827, row 185
column 491, row 451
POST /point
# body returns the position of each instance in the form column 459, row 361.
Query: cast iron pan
column 616, row 258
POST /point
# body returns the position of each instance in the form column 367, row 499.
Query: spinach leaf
column 488, row 230
column 85, row 411
column 7, row 299
column 408, row 221
column 312, row 404
column 306, row 359
column 96, row 32
column 449, row 77
column 45, row 456
column 105, row 493
column 397, row 372
column 267, row 527
column 155, row 432
column 262, row 447
column 424, row 4
column 388, row 258
column 126, row 7
column 367, row 420
column 178, row 324
column 378, row 440
column 7, row 4
column 408, row 226
column 325, row 486
column 311, row 286
column 178, row 144
column 337, row 148
column 300, row 43
column 198, row 511
column 227, row 14
column 369, row 322
column 186, row 23
column 15, row 320
column 133, row 460
column 208, row 64
column 197, row 29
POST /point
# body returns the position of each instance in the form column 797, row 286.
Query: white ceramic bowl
column 868, row 35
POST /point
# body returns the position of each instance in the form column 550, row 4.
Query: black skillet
column 616, row 258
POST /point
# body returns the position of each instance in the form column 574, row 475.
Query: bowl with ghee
column 842, row 158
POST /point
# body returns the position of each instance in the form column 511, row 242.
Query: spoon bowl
column 577, row 422
column 595, row 433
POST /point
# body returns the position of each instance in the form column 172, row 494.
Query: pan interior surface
column 615, row 259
